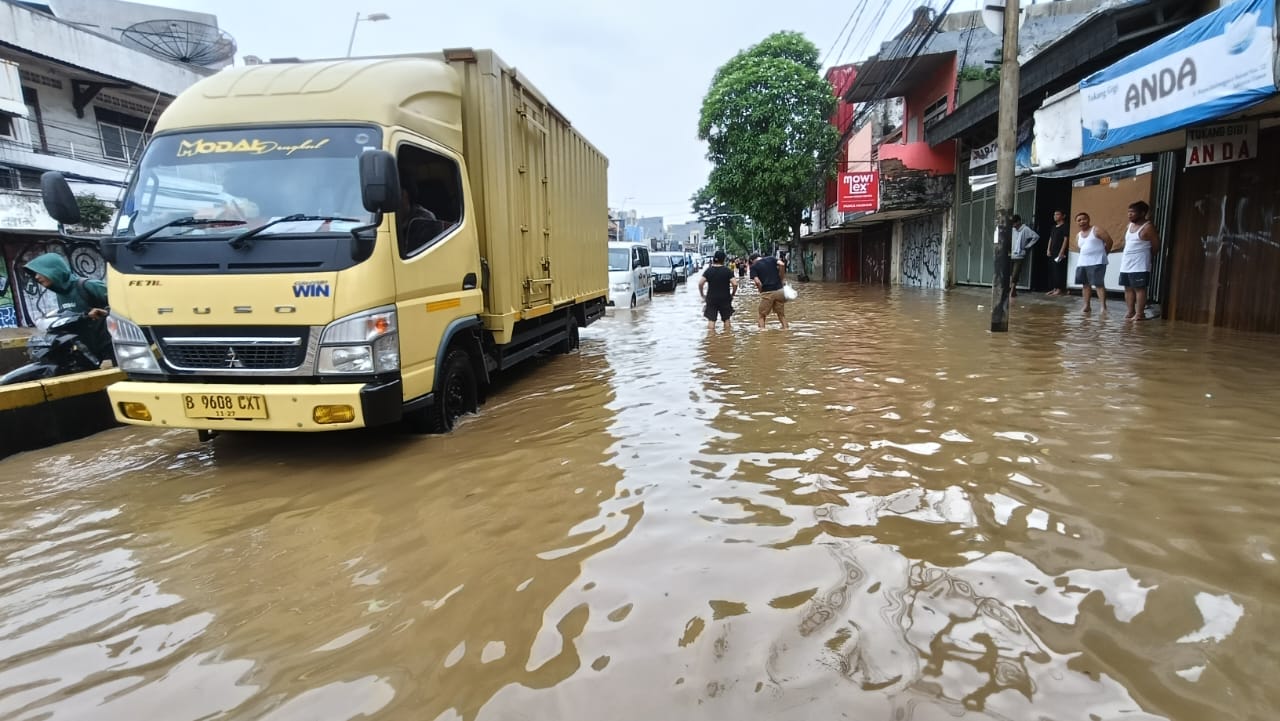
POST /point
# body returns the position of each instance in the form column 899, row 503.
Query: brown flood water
column 886, row 513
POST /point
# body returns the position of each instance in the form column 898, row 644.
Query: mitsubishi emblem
column 231, row 359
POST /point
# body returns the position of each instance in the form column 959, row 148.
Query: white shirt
column 1023, row 237
column 1137, row 251
column 1092, row 250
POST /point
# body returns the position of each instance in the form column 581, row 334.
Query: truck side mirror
column 379, row 182
column 58, row 198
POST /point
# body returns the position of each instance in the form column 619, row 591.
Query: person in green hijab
column 76, row 294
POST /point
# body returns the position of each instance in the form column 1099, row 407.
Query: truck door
column 532, row 198
column 437, row 263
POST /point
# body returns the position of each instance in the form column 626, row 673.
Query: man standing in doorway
column 1140, row 245
column 717, row 287
column 768, row 274
column 1057, row 251
column 1023, row 238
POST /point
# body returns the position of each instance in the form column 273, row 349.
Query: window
column 6, row 126
column 937, row 110
column 913, row 129
column 122, row 135
column 619, row 259
column 35, row 122
column 431, row 199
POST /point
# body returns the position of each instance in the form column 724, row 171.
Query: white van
column 630, row 277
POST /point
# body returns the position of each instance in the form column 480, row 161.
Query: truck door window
column 431, row 199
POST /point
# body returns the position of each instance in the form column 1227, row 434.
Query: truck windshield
column 252, row 176
column 661, row 261
column 619, row 259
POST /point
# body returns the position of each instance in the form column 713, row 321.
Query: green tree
column 94, row 213
column 730, row 228
column 765, row 120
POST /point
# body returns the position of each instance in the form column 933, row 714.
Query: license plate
column 224, row 405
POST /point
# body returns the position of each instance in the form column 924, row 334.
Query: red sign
column 859, row 192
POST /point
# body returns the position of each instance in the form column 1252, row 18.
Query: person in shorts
column 1140, row 244
column 768, row 273
column 1091, row 272
column 717, row 287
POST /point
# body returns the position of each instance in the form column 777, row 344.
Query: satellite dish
column 185, row 41
column 993, row 16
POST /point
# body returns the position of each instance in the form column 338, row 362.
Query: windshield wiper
column 240, row 241
column 189, row 220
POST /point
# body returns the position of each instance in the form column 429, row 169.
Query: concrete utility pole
column 1006, row 161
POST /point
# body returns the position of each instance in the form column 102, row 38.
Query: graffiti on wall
column 8, row 314
column 922, row 252
column 811, row 262
column 28, row 299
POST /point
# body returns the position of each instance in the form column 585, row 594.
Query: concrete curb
column 42, row 413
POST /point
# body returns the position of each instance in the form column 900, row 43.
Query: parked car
column 678, row 264
column 664, row 272
column 630, row 278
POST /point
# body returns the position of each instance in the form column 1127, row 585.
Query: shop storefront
column 1200, row 107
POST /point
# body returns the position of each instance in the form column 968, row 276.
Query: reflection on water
column 885, row 513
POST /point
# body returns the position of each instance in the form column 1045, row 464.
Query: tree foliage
column 766, row 122
column 730, row 228
column 94, row 213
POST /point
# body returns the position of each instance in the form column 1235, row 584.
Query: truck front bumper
column 255, row 407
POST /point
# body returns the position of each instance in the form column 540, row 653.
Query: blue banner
column 1220, row 64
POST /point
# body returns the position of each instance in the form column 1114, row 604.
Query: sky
column 629, row 76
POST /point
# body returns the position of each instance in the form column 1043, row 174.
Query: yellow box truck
column 312, row 246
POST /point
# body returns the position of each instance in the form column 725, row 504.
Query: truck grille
column 282, row 350
column 249, row 357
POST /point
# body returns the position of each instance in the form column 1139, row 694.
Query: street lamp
column 372, row 17
column 622, row 216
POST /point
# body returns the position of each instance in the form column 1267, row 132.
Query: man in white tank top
column 1094, row 244
column 1140, row 245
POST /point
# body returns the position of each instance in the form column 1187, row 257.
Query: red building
column 896, row 233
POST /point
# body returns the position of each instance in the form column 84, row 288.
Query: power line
column 848, row 21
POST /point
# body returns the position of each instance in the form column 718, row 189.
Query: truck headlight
column 133, row 351
column 621, row 287
column 363, row 343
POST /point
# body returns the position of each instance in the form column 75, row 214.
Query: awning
column 1099, row 39
column 1220, row 64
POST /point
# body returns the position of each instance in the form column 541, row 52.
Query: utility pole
column 1006, row 168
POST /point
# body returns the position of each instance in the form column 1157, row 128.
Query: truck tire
column 571, row 342
column 633, row 300
column 457, row 395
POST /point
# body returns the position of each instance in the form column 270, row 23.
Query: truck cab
column 337, row 244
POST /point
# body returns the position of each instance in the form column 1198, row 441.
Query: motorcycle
column 57, row 351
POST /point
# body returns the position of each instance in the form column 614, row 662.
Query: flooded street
column 886, row 513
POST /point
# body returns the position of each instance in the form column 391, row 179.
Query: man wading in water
column 768, row 272
column 717, row 287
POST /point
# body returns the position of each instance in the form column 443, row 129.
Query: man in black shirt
column 1057, row 250
column 768, row 273
column 717, row 287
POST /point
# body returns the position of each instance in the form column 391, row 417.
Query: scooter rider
column 79, row 295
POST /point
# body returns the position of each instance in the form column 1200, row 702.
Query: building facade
column 76, row 99
column 1199, row 111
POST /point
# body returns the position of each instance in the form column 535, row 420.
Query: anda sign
column 1225, row 143
column 859, row 192
column 1220, row 64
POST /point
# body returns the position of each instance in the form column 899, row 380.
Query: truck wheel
column 633, row 300
column 570, row 343
column 457, row 394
